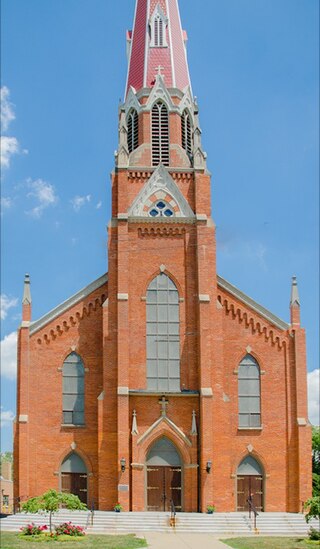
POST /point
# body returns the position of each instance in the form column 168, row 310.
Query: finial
column 134, row 430
column 194, row 430
column 295, row 300
column 26, row 300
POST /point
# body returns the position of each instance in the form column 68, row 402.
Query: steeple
column 157, row 45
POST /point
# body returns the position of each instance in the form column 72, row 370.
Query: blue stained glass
column 161, row 205
column 168, row 213
column 154, row 213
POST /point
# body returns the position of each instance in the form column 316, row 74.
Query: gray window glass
column 249, row 393
column 163, row 341
column 73, row 390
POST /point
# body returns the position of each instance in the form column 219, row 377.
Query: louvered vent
column 158, row 32
column 186, row 133
column 133, row 130
column 160, row 134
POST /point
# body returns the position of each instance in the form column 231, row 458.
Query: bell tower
column 161, row 239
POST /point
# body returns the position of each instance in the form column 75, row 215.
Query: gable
column 160, row 186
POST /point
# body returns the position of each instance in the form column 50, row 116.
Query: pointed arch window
column 160, row 134
column 186, row 132
column 133, row 130
column 73, row 390
column 249, row 393
column 163, row 335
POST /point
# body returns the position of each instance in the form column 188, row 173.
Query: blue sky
column 254, row 69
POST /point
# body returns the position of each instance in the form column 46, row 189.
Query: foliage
column 313, row 507
column 32, row 529
column 11, row 540
column 118, row 507
column 211, row 508
column 51, row 501
column 5, row 457
column 69, row 529
column 314, row 534
column 316, row 461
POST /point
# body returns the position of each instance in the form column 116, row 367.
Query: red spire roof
column 157, row 46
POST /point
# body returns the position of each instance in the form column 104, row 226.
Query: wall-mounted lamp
column 123, row 464
column 209, row 466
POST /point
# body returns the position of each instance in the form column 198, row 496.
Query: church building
column 161, row 381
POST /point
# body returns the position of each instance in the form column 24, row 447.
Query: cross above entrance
column 159, row 69
column 163, row 403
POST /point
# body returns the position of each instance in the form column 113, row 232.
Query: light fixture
column 123, row 464
column 209, row 466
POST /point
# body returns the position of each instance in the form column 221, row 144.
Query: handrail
column 253, row 509
column 92, row 512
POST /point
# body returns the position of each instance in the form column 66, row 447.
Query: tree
column 5, row 457
column 316, row 461
column 51, row 501
column 313, row 507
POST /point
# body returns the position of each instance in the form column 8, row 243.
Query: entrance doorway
column 74, row 477
column 249, row 482
column 164, row 477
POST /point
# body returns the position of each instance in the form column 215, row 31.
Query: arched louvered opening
column 158, row 32
column 249, row 393
column 160, row 134
column 73, row 390
column 133, row 130
column 163, row 335
column 186, row 132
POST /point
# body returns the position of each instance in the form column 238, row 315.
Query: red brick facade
column 106, row 326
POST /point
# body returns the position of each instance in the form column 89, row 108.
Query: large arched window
column 163, row 341
column 73, row 390
column 249, row 393
column 133, row 130
column 160, row 134
column 186, row 134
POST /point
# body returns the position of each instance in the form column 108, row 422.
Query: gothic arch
column 63, row 456
column 165, row 429
column 168, row 274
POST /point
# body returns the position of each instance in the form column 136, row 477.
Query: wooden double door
column 75, row 483
column 249, row 485
column 164, row 484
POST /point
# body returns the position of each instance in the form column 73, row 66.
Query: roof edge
column 65, row 305
column 233, row 290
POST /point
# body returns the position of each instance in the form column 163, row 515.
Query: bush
column 314, row 534
column 32, row 529
column 69, row 529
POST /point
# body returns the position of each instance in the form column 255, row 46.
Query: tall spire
column 157, row 45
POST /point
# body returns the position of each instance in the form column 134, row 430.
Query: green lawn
column 10, row 540
column 270, row 543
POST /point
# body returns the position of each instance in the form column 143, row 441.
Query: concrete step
column 218, row 523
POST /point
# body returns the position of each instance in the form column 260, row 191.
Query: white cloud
column 7, row 113
column 98, row 206
column 9, row 146
column 79, row 201
column 44, row 193
column 9, row 356
column 6, row 202
column 313, row 396
column 6, row 303
column 6, row 417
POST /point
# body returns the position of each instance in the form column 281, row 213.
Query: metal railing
column 173, row 514
column 253, row 510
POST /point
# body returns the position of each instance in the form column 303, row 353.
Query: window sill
column 250, row 428
column 73, row 425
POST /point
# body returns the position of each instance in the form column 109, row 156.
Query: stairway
column 220, row 524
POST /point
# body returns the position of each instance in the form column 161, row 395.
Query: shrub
column 314, row 534
column 69, row 529
column 32, row 529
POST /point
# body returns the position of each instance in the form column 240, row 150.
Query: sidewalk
column 182, row 541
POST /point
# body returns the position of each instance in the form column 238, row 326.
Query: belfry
column 162, row 382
